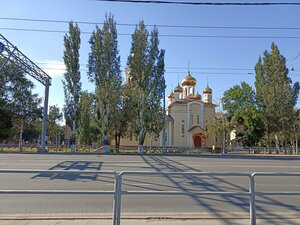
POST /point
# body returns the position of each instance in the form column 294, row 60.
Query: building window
column 192, row 92
column 182, row 128
column 198, row 119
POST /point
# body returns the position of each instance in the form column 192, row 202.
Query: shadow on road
column 213, row 183
column 180, row 183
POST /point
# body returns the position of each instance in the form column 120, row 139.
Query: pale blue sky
column 209, row 57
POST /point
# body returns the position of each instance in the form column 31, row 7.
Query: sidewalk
column 149, row 222
column 150, row 219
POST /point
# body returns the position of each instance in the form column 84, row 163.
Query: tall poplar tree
column 104, row 70
column 146, row 64
column 85, row 111
column 276, row 95
column 72, row 84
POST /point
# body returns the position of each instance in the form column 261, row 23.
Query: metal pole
column 45, row 115
column 116, row 195
column 119, row 198
column 252, row 200
column 7, row 59
column 164, row 129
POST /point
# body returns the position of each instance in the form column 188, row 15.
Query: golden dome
column 171, row 95
column 207, row 90
column 178, row 88
column 198, row 96
column 189, row 80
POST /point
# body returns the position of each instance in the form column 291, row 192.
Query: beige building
column 187, row 113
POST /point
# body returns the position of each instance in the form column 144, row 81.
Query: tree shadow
column 72, row 165
column 213, row 183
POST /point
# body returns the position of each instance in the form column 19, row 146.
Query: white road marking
column 136, row 184
column 271, row 166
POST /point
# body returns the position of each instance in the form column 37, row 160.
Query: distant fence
column 153, row 149
column 118, row 192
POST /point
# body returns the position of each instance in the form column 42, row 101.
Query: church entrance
column 197, row 141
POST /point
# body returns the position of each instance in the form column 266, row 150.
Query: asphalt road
column 84, row 204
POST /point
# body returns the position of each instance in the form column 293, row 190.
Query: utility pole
column 45, row 114
column 164, row 151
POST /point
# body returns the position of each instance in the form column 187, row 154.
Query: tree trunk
column 106, row 127
column 21, row 136
column 118, row 142
column 277, row 143
column 105, row 149
column 73, row 146
column 141, row 128
column 141, row 149
column 296, row 145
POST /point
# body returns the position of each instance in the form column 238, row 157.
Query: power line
column 169, row 67
column 152, row 25
column 163, row 35
column 175, row 72
column 207, row 3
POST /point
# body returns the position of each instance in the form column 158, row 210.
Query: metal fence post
column 117, row 199
column 252, row 200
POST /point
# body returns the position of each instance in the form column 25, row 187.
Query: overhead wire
column 176, row 72
column 152, row 25
column 206, row 3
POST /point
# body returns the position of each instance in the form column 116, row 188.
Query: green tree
column 54, row 127
column 18, row 105
column 241, row 111
column 214, row 129
column 85, row 116
column 25, row 106
column 72, row 84
column 10, row 76
column 146, row 64
column 104, row 69
column 219, row 127
column 276, row 95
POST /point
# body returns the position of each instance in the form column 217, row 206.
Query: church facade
column 186, row 116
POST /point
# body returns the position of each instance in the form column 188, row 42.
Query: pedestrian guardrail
column 118, row 192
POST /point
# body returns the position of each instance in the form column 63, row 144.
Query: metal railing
column 118, row 192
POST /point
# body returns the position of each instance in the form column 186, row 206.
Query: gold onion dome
column 178, row 88
column 198, row 96
column 171, row 95
column 188, row 80
column 207, row 90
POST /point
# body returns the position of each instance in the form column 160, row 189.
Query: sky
column 217, row 55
